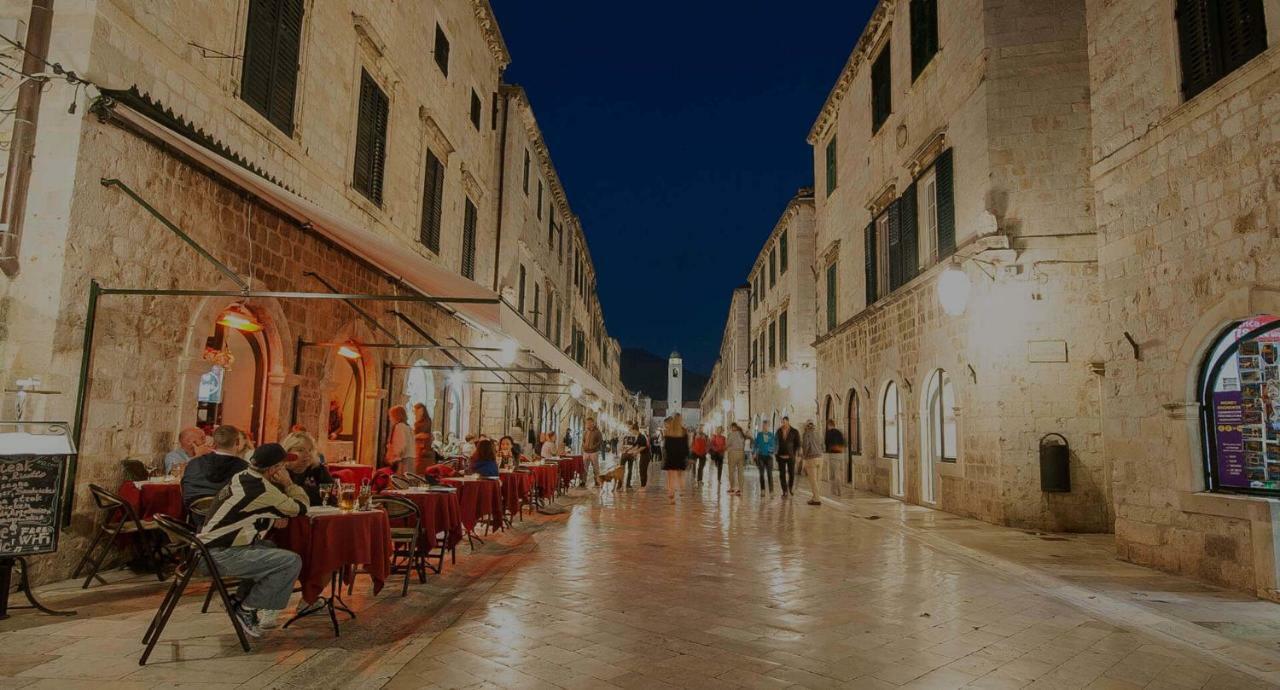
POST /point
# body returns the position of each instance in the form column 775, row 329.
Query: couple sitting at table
column 483, row 462
column 254, row 500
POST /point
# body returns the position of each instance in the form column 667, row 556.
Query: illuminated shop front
column 1240, row 403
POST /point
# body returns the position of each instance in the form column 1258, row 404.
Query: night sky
column 678, row 129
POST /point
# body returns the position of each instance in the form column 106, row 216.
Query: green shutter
column 831, row 165
column 520, row 291
column 909, row 246
column 469, row 241
column 432, row 203
column 946, row 205
column 831, row 296
column 284, row 83
column 895, row 245
column 881, row 88
column 371, row 140
column 870, row 262
column 782, row 336
column 269, row 77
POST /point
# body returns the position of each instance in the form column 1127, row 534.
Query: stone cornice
column 879, row 23
column 517, row 96
column 803, row 197
column 492, row 34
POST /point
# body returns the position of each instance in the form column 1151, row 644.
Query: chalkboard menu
column 30, row 494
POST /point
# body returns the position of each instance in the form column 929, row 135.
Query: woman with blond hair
column 675, row 454
column 400, row 444
column 304, row 465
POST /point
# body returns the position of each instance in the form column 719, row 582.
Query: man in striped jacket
column 256, row 499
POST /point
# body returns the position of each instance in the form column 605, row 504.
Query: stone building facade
column 1184, row 165
column 956, row 142
column 783, row 372
column 372, row 170
column 726, row 397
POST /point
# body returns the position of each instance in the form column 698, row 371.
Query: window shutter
column 1197, row 33
column 520, row 292
column 881, row 89
column 469, row 241
column 895, row 245
column 946, row 205
column 909, row 247
column 831, row 297
column 371, row 140
column 1244, row 32
column 259, row 48
column 831, row 165
column 917, row 42
column 442, row 51
column 432, row 201
column 871, row 263
column 285, row 70
column 782, row 336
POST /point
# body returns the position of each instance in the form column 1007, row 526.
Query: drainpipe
column 502, row 180
column 18, row 176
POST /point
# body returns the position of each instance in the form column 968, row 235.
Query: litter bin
column 1055, row 464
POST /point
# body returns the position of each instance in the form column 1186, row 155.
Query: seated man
column 190, row 443
column 255, row 500
column 207, row 474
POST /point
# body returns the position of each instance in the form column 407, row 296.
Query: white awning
column 427, row 278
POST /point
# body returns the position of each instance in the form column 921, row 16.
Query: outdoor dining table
column 546, row 477
column 356, row 472
column 332, row 544
column 572, row 468
column 441, row 513
column 154, row 496
column 480, row 499
column 516, row 487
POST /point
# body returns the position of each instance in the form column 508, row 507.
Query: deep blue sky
column 678, row 129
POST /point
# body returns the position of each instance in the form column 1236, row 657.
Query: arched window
column 889, row 421
column 854, row 439
column 420, row 388
column 826, row 412
column 941, row 400
column 1240, row 408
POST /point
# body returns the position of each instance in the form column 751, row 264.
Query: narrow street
column 714, row 592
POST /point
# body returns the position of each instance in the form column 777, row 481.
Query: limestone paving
column 627, row 591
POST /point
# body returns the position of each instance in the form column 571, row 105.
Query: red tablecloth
column 571, row 469
column 546, row 478
column 441, row 512
column 149, row 499
column 479, row 499
column 515, row 490
column 328, row 543
column 357, row 472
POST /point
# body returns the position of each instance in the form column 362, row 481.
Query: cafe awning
column 401, row 264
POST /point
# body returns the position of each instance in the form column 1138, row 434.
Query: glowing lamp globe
column 349, row 350
column 507, row 352
column 575, row 389
column 953, row 290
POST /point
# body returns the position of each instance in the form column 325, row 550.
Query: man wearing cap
column 249, row 505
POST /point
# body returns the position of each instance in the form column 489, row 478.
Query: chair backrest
column 134, row 470
column 201, row 506
column 399, row 482
column 415, row 479
column 396, row 507
column 112, row 504
column 181, row 534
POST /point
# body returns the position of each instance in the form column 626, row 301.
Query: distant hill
column 646, row 372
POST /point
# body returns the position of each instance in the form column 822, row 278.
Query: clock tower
column 675, row 383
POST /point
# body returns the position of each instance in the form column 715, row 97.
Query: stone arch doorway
column 938, row 432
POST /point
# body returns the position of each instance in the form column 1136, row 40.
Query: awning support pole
column 422, row 332
column 367, row 316
column 222, row 268
column 82, row 399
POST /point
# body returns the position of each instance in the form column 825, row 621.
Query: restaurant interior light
column 953, row 289
column 239, row 318
column 349, row 350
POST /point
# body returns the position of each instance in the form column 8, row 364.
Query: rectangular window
column 773, row 344
column 924, row 34
column 755, row 293
column 475, row 110
column 1215, row 37
column 927, row 206
column 831, row 165
column 782, row 338
column 831, row 296
column 560, row 243
column 526, row 172
column 520, row 291
column 559, row 324
column 539, row 199
column 469, row 241
column 550, row 303
column 371, row 140
column 782, row 253
column 882, row 254
column 773, row 268
column 269, row 80
column 753, row 358
column 432, row 203
column 442, row 51
column 537, row 304
column 881, row 90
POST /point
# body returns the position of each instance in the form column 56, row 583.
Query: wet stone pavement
column 628, row 591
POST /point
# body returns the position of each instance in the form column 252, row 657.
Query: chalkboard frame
column 60, row 462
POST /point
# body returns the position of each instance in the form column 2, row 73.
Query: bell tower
column 675, row 383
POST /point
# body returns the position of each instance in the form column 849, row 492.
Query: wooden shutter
column 924, row 34
column 881, row 89
column 469, row 241
column 782, row 336
column 870, row 241
column 782, row 252
column 831, row 297
column 946, row 205
column 285, row 70
column 269, row 78
column 520, row 292
column 259, row 52
column 895, row 245
column 908, row 244
column 371, row 140
column 1244, row 33
column 432, row 203
column 831, row 165
column 1197, row 43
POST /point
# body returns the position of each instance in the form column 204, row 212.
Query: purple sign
column 1228, row 415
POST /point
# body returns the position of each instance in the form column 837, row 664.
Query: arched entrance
column 420, row 388
column 232, row 389
column 344, row 404
column 938, row 432
column 1240, row 408
column 891, row 438
column 853, row 436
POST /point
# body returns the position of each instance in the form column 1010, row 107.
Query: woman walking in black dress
column 675, row 454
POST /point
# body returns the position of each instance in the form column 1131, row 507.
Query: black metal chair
column 200, row 509
column 118, row 517
column 196, row 556
column 416, row 479
column 134, row 470
column 405, row 536
column 400, row 482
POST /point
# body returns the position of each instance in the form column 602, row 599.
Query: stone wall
column 1187, row 207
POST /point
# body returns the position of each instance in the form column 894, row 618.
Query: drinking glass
column 326, row 491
